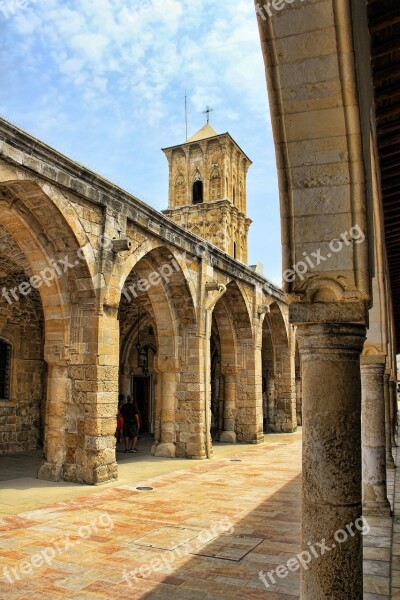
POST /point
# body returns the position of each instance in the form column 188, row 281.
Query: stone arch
column 48, row 229
column 239, row 363
column 281, row 394
column 52, row 266
column 268, row 377
column 157, row 284
column 162, row 259
column 224, row 332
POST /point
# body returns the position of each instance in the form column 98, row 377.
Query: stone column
column 388, row 424
column 157, row 410
column 229, row 428
column 299, row 401
column 58, row 396
column 331, row 457
column 393, row 411
column 169, row 368
column 375, row 500
column 270, row 391
column 221, row 406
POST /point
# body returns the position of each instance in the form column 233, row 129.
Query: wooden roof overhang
column 384, row 27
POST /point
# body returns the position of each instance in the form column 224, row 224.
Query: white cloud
column 147, row 48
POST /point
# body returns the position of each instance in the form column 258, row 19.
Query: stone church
column 101, row 294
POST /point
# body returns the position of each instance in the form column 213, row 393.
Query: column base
column 377, row 509
column 228, row 437
column 50, row 472
column 166, row 450
column 154, row 448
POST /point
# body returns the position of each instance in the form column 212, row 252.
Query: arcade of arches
column 103, row 295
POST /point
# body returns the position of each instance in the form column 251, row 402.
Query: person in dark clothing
column 131, row 425
column 120, row 419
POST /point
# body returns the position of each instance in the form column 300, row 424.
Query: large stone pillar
column 229, row 433
column 330, row 356
column 169, row 368
column 388, row 423
column 375, row 500
column 58, row 397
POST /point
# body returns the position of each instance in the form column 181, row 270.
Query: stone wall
column 21, row 415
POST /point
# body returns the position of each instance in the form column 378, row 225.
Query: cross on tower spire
column 207, row 112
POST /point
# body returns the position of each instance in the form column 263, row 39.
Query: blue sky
column 103, row 81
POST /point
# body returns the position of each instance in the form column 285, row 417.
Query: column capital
column 323, row 340
column 373, row 360
column 328, row 312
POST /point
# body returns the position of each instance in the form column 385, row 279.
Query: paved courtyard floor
column 204, row 530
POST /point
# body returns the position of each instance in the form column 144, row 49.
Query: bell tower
column 207, row 190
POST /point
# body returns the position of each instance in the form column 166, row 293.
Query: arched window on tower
column 215, row 184
column 198, row 193
column 5, row 370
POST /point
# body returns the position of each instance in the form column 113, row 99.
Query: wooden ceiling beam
column 385, row 73
column 385, row 48
column 387, row 165
column 386, row 20
column 384, row 131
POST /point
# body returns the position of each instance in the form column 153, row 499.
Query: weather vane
column 207, row 112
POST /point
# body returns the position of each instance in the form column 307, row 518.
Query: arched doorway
column 53, row 382
column 278, row 371
column 234, row 371
column 157, row 343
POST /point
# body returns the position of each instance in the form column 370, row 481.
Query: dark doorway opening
column 141, row 389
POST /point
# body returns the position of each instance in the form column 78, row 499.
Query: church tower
column 207, row 190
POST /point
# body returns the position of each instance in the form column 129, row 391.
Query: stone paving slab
column 246, row 513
